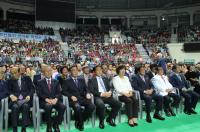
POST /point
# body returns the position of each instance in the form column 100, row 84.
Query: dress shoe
column 192, row 111
column 56, row 128
column 167, row 113
column 158, row 116
column 131, row 125
column 135, row 124
column 110, row 122
column 23, row 130
column 148, row 119
column 172, row 112
column 187, row 112
column 49, row 129
column 76, row 124
column 15, row 129
column 81, row 126
column 101, row 125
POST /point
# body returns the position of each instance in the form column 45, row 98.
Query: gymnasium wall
column 176, row 51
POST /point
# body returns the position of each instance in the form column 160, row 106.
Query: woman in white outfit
column 126, row 94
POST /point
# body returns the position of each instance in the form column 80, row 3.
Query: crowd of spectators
column 46, row 51
column 98, row 53
column 86, row 34
column 23, row 26
column 189, row 33
column 144, row 35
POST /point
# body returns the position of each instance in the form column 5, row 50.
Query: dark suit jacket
column 150, row 74
column 43, row 90
column 36, row 78
column 162, row 63
column 3, row 89
column 61, row 80
column 176, row 82
column 27, row 87
column 138, row 83
column 94, row 88
column 70, row 89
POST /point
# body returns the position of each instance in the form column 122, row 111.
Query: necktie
column 102, row 84
column 19, row 84
column 179, row 77
column 76, row 82
column 49, row 85
column 86, row 80
column 143, row 79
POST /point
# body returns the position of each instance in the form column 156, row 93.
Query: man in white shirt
column 165, row 89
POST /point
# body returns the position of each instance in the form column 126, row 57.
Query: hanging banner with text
column 27, row 37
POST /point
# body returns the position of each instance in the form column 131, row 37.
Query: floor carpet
column 180, row 123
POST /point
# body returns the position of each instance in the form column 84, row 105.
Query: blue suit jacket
column 176, row 82
column 162, row 63
column 138, row 84
column 70, row 89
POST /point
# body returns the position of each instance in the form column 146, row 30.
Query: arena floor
column 180, row 123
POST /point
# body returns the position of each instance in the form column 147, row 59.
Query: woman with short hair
column 126, row 94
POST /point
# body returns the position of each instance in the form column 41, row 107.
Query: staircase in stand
column 143, row 53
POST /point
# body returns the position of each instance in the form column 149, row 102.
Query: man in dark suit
column 21, row 91
column 152, row 71
column 49, row 92
column 100, row 88
column 178, row 80
column 40, row 76
column 76, row 90
column 162, row 62
column 86, row 74
column 141, row 82
column 3, row 85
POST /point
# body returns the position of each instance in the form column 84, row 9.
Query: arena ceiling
column 121, row 4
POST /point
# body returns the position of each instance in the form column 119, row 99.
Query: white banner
column 27, row 37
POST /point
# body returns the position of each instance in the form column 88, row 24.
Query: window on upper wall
column 20, row 16
column 1, row 14
column 93, row 21
column 79, row 20
column 105, row 21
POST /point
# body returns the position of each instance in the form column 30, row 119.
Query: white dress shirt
column 161, row 84
column 19, row 82
column 48, row 79
column 122, row 85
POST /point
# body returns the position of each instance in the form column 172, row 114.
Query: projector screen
column 55, row 10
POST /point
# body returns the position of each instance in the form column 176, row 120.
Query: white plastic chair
column 39, row 111
column 67, row 116
column 1, row 115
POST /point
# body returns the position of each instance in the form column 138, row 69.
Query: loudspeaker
column 191, row 47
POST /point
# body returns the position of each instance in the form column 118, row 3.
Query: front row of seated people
column 20, row 90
